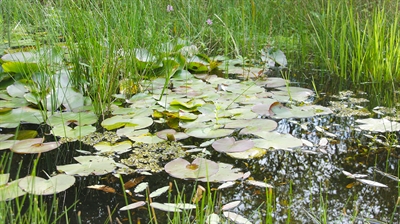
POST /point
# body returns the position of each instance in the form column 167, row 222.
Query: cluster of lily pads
column 237, row 117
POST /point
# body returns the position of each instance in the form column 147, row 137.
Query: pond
column 300, row 162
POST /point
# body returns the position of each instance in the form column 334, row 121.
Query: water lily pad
column 276, row 140
column 88, row 165
column 253, row 124
column 378, row 125
column 75, row 133
column 6, row 144
column 4, row 178
column 199, row 168
column 288, row 93
column 252, row 153
column 229, row 144
column 40, row 186
column 108, row 147
column 10, row 191
column 226, row 172
column 208, row 132
column 128, row 121
column 66, row 118
column 13, row 118
column 278, row 111
column 171, row 135
column 21, row 62
column 34, row 145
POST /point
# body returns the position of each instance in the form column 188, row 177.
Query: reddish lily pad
column 34, row 145
column 229, row 144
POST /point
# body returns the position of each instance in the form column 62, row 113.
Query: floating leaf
column 226, row 185
column 184, row 206
column 104, row 188
column 277, row 141
column 11, row 119
column 10, row 191
column 230, row 205
column 229, row 144
column 253, row 125
column 213, row 219
column 40, row 186
column 226, row 172
column 75, row 133
column 34, row 145
column 89, row 165
column 4, row 178
column 236, row 218
column 164, row 134
column 199, row 168
column 133, row 206
column 208, row 132
column 165, row 207
column 126, row 120
column 67, row 118
column 248, row 154
column 378, row 125
column 119, row 147
column 141, row 187
column 159, row 192
column 371, row 183
column 258, row 184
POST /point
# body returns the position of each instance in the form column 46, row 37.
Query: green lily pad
column 6, row 144
column 199, row 168
column 89, row 165
column 67, row 118
column 208, row 132
column 4, row 178
column 229, row 144
column 252, row 153
column 276, row 140
column 10, row 191
column 40, row 186
column 4, row 137
column 108, row 147
column 171, row 135
column 126, row 120
column 378, row 125
column 75, row 133
column 13, row 118
column 35, row 145
column 21, row 62
column 17, row 90
column 253, row 125
column 288, row 93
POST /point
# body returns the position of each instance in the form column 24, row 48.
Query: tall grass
column 358, row 42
